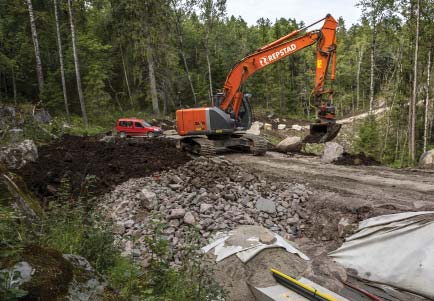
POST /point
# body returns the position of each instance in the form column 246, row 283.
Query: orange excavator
column 207, row 129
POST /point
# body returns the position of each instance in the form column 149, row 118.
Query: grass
column 72, row 226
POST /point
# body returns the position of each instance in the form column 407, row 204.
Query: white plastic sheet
column 396, row 249
column 249, row 246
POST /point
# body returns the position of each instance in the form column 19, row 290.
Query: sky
column 307, row 11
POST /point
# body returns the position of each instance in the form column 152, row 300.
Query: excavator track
column 205, row 148
column 259, row 144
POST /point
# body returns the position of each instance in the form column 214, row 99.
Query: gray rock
column 42, row 116
column 119, row 229
column 345, row 227
column 281, row 126
column 108, row 139
column 17, row 155
column 88, row 285
column 426, row 161
column 265, row 205
column 18, row 274
column 255, row 128
column 289, row 144
column 149, row 198
column 268, row 127
column 204, row 208
column 332, row 152
column 175, row 186
column 177, row 213
column 267, row 237
column 189, row 218
column 129, row 223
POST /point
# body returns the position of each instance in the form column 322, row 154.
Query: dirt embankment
column 112, row 163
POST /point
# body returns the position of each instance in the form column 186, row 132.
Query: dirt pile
column 356, row 159
column 112, row 161
column 207, row 194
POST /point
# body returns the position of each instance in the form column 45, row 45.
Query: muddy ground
column 112, row 163
column 356, row 192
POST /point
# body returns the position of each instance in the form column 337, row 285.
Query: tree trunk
column 412, row 141
column 126, row 78
column 152, row 80
column 39, row 73
column 359, row 67
column 14, row 86
column 62, row 67
column 77, row 66
column 371, row 86
column 209, row 69
column 427, row 104
column 184, row 60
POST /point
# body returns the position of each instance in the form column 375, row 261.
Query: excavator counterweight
column 204, row 130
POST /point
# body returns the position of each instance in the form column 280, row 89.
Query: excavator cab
column 244, row 120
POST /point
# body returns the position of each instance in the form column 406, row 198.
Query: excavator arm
column 279, row 49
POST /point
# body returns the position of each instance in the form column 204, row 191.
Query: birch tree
column 62, row 68
column 39, row 72
column 427, row 104
column 77, row 65
column 412, row 138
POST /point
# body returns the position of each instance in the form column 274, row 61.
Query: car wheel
column 122, row 135
column 151, row 135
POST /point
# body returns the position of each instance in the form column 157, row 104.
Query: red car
column 127, row 127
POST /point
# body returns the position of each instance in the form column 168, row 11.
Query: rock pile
column 209, row 194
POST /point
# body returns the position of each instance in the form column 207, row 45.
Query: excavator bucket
column 322, row 132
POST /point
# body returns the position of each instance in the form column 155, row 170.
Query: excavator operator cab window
column 218, row 99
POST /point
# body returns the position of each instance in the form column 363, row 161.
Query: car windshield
column 145, row 124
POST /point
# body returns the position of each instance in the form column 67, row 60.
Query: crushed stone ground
column 207, row 194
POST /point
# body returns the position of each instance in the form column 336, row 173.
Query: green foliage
column 71, row 226
column 368, row 138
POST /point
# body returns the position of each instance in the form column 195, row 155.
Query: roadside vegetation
column 71, row 226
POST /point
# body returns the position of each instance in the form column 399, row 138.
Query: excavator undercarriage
column 211, row 145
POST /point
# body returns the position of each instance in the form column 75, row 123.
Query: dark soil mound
column 110, row 162
column 358, row 159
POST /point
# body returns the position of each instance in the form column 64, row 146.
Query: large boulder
column 42, row 116
column 289, row 144
column 255, row 128
column 45, row 274
column 427, row 160
column 332, row 152
column 16, row 155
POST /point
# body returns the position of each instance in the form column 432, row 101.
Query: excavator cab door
column 244, row 120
